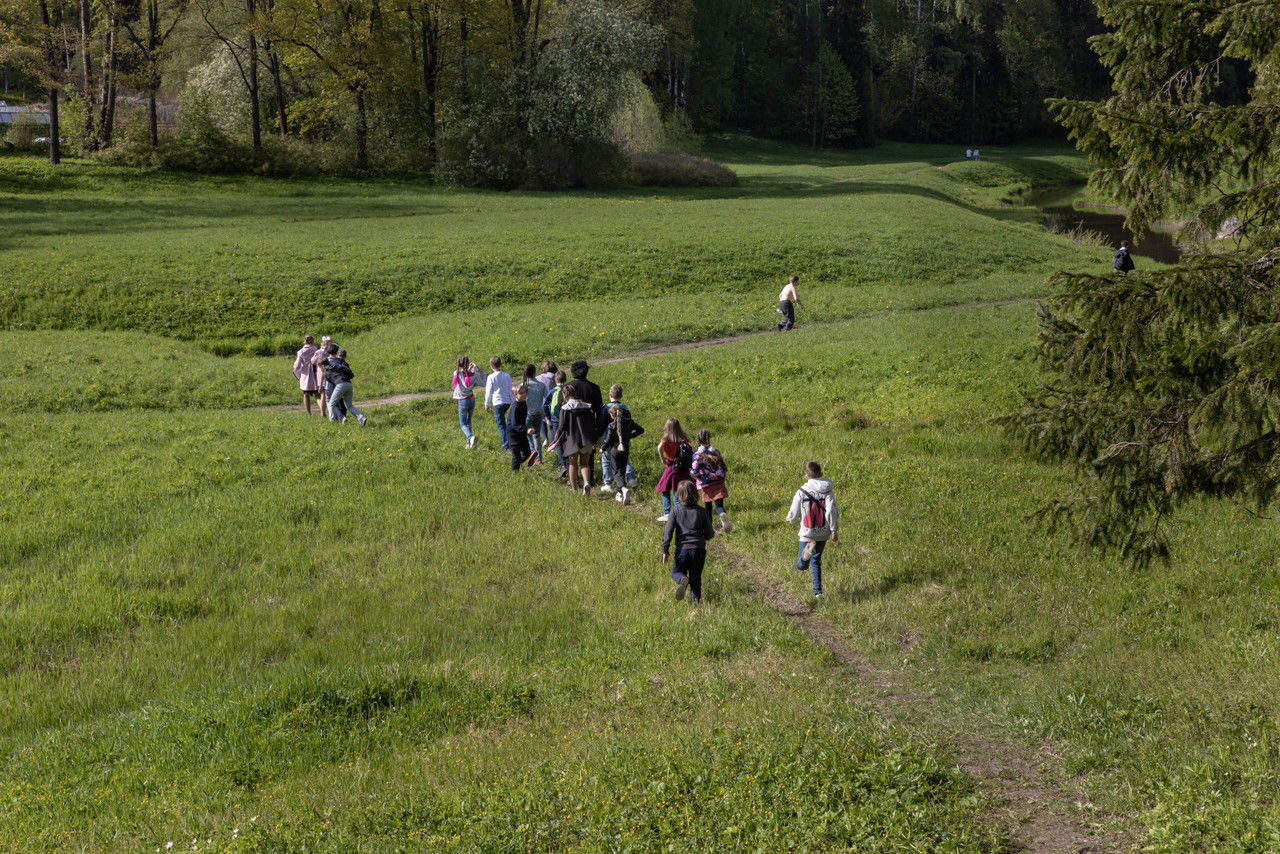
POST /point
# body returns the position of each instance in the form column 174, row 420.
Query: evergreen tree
column 1163, row 386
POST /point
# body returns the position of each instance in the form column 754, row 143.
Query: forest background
column 507, row 93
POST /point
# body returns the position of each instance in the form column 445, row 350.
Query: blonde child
column 677, row 459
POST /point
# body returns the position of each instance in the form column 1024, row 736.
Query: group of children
column 323, row 373
column 549, row 411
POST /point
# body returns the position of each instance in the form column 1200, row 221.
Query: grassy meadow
column 240, row 629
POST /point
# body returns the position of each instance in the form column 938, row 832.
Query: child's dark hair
column 570, row 392
column 463, row 361
column 615, row 392
column 560, row 377
column 673, row 432
column 704, row 437
column 687, row 493
column 813, row 468
column 330, row 349
column 495, row 362
column 794, row 279
column 341, row 354
column 530, row 372
column 549, row 367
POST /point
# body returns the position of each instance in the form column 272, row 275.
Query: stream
column 1062, row 215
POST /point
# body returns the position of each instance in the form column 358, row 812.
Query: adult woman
column 576, row 438
column 305, row 370
column 464, row 381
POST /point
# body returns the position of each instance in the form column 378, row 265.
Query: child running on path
column 689, row 524
column 709, row 473
column 814, row 507
column 677, row 457
column 342, row 399
column 616, row 432
column 464, row 391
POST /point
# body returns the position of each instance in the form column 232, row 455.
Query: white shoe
column 586, row 491
column 625, row 495
column 724, row 523
column 471, row 443
column 363, row 421
column 662, row 518
column 620, row 496
column 607, row 489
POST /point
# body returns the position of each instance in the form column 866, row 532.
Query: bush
column 678, row 169
column 24, row 131
column 555, row 165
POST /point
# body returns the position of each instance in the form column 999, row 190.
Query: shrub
column 24, row 131
column 678, row 169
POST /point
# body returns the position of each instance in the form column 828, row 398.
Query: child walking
column 464, row 391
column 814, row 507
column 689, row 524
column 516, row 429
column 677, row 459
column 576, row 435
column 709, row 474
column 616, row 432
column 535, row 392
column 625, row 479
column 552, row 409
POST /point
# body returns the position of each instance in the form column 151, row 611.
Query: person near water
column 576, row 436
column 465, row 378
column 788, row 299
column 616, row 430
column 814, row 507
column 709, row 474
column 304, row 369
column 498, row 397
column 689, row 525
column 516, row 434
column 531, row 426
column 627, row 479
column 677, row 459
column 342, row 398
column 1123, row 260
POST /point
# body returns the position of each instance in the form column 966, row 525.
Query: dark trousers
column 717, row 506
column 519, row 448
column 619, row 457
column 788, row 311
column 689, row 564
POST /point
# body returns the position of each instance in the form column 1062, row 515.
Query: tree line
column 496, row 90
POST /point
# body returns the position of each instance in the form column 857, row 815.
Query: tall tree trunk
column 277, row 85
column 430, row 73
column 51, row 69
column 86, row 73
column 255, row 107
column 153, row 72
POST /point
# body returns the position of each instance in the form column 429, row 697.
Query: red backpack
column 815, row 515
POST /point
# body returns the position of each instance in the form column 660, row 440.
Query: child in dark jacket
column 689, row 524
column 616, row 431
column 516, row 429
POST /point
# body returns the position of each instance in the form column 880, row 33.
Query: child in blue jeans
column 814, row 507
column 689, row 524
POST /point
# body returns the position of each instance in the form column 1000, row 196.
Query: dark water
column 1062, row 215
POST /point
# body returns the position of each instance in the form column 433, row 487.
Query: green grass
column 263, row 632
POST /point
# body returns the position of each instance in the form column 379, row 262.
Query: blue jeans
column 342, row 396
column 717, row 505
column 466, row 406
column 689, row 564
column 500, row 411
column 666, row 503
column 606, row 468
column 553, row 424
column 535, row 424
column 815, row 563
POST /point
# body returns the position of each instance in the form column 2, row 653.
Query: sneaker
column 681, row 586
column 471, row 443
column 626, row 496
column 662, row 518
column 807, row 554
column 724, row 523
column 586, row 491
column 620, row 496
column 607, row 489
column 531, row 459
column 818, row 595
column 363, row 421
column 537, row 460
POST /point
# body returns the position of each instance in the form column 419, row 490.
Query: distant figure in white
column 787, row 301
column 968, row 154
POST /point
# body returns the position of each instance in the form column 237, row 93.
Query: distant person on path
column 627, row 479
column 677, row 459
column 531, row 426
column 516, row 429
column 498, row 396
column 709, row 475
column 787, row 302
column 814, row 507
column 304, row 368
column 616, row 430
column 968, row 154
column 464, row 391
column 343, row 396
column 689, row 524
column 1123, row 261
column 576, row 436
column 554, row 402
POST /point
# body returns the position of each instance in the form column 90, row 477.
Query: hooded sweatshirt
column 818, row 488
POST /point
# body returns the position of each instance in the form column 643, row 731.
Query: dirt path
column 676, row 348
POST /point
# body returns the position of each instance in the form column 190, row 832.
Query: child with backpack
column 677, row 459
column 625, row 479
column 516, row 434
column 551, row 407
column 535, row 391
column 814, row 507
column 689, row 524
column 709, row 474
column 576, row 436
column 616, row 430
